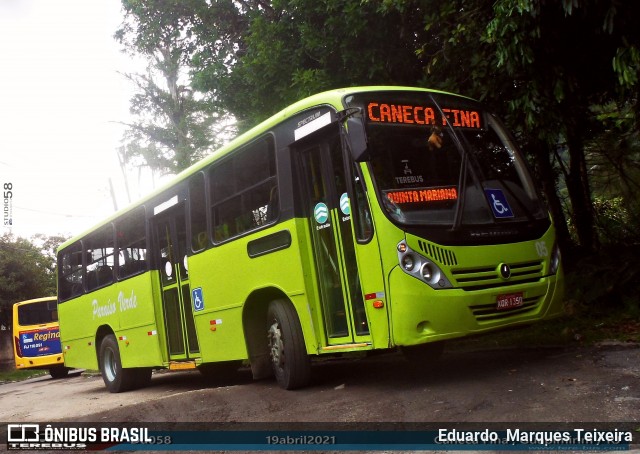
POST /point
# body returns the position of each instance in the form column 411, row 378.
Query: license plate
column 509, row 301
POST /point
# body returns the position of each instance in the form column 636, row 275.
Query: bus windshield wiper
column 464, row 167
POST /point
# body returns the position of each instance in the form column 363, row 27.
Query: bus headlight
column 408, row 262
column 427, row 271
column 554, row 264
column 421, row 267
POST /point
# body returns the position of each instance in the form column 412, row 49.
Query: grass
column 19, row 375
column 567, row 331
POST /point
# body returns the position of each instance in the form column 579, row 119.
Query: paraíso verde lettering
column 110, row 308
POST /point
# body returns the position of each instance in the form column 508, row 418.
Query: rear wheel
column 115, row 377
column 287, row 350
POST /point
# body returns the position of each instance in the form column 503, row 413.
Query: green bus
column 354, row 220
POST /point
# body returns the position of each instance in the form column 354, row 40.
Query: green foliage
column 27, row 270
column 626, row 64
column 606, row 282
column 614, row 160
column 613, row 221
column 540, row 65
column 299, row 47
column 19, row 375
column 174, row 126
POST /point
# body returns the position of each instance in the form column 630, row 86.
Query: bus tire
column 116, row 378
column 287, row 349
column 58, row 372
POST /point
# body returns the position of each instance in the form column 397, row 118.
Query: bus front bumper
column 420, row 314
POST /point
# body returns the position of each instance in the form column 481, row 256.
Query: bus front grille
column 489, row 276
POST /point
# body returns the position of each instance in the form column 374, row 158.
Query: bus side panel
column 79, row 320
column 219, row 321
column 126, row 309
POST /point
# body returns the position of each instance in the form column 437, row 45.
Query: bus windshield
column 446, row 163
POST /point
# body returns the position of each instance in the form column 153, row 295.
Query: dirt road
column 595, row 384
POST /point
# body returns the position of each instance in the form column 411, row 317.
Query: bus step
column 346, row 346
column 182, row 365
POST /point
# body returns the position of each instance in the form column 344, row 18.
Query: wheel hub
column 276, row 346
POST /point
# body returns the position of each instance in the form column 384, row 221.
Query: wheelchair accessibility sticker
column 197, row 298
column 499, row 204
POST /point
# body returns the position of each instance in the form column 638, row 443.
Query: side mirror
column 357, row 139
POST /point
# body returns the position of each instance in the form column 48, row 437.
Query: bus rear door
column 171, row 258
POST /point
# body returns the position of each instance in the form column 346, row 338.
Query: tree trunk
column 548, row 180
column 580, row 194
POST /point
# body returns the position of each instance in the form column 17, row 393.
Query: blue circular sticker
column 344, row 204
column 321, row 213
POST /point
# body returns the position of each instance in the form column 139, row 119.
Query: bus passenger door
column 171, row 257
column 324, row 195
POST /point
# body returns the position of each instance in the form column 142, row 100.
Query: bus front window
column 441, row 176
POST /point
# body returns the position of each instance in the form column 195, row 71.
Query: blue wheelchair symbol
column 499, row 204
column 198, row 299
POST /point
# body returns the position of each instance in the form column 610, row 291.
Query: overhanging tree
column 27, row 270
column 175, row 126
column 290, row 49
column 540, row 65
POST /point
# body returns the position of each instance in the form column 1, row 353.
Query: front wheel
column 115, row 377
column 287, row 350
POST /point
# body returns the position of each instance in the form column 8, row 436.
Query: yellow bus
column 362, row 219
column 36, row 336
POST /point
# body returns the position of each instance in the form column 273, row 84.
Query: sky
column 62, row 102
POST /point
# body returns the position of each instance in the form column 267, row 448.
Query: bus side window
column 132, row 244
column 244, row 190
column 198, row 213
column 70, row 272
column 363, row 223
column 99, row 250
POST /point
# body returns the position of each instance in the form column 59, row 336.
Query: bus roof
column 331, row 97
column 36, row 300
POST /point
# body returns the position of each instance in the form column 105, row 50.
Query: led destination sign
column 423, row 195
column 422, row 115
